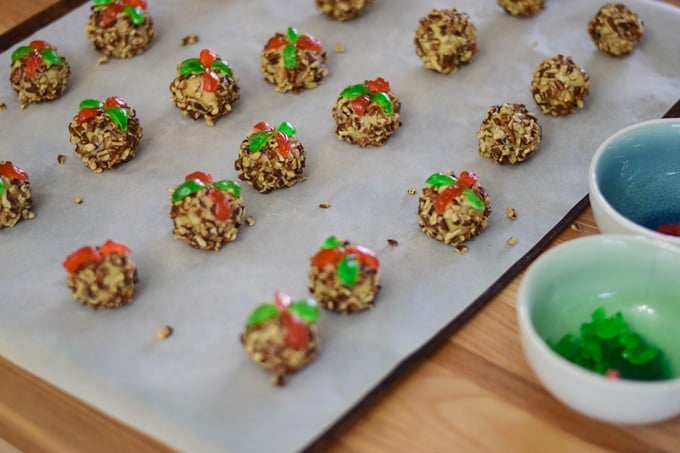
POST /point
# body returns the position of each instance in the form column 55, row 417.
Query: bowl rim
column 526, row 327
column 595, row 191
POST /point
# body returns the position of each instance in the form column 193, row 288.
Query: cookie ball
column 38, row 73
column 341, row 10
column 367, row 113
column 559, row 86
column 445, row 40
column 15, row 195
column 293, row 62
column 522, row 8
column 120, row 28
column 616, row 29
column 453, row 209
column 205, row 86
column 509, row 134
column 206, row 214
column 270, row 158
column 106, row 133
column 101, row 276
column 344, row 277
column 282, row 336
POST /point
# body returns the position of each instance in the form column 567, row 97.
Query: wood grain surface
column 475, row 392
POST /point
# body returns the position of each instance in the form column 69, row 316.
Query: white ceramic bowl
column 634, row 180
column 634, row 275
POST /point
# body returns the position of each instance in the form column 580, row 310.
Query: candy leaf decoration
column 290, row 43
column 263, row 132
column 2, row 187
column 91, row 255
column 347, row 259
column 36, row 53
column 363, row 94
column 295, row 316
column 198, row 180
column 208, row 64
column 114, row 107
column 608, row 346
column 453, row 188
column 134, row 9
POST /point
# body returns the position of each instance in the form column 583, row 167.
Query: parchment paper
column 198, row 390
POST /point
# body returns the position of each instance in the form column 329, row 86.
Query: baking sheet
column 198, row 390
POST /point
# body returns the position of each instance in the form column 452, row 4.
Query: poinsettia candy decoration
column 120, row 28
column 342, row 10
column 38, row 73
column 282, row 335
column 367, row 113
column 344, row 277
column 205, row 87
column 453, row 209
column 15, row 195
column 102, row 276
column 105, row 133
column 293, row 61
column 271, row 158
column 206, row 213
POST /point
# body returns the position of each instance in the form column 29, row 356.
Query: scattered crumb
column 512, row 240
column 164, row 332
column 325, row 204
column 393, row 242
column 576, row 227
column 103, row 59
column 412, row 191
column 339, row 48
column 188, row 40
column 78, row 200
column 61, row 158
column 461, row 249
column 250, row 220
column 2, row 106
column 511, row 213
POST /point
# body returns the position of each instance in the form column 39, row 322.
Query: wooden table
column 474, row 392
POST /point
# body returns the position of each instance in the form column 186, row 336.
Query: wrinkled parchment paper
column 197, row 390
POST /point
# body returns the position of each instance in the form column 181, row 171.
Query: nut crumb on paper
column 511, row 213
column 461, row 249
column 103, row 59
column 392, row 242
column 250, row 220
column 411, row 191
column 164, row 332
column 3, row 106
column 78, row 200
column 61, row 158
column 339, row 48
column 325, row 204
column 512, row 240
column 188, row 40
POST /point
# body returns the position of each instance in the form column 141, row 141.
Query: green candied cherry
column 296, row 316
column 608, row 346
column 210, row 65
column 347, row 259
column 198, row 180
column 363, row 94
column 263, row 132
column 36, row 53
column 134, row 9
column 290, row 43
column 114, row 107
column 453, row 188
